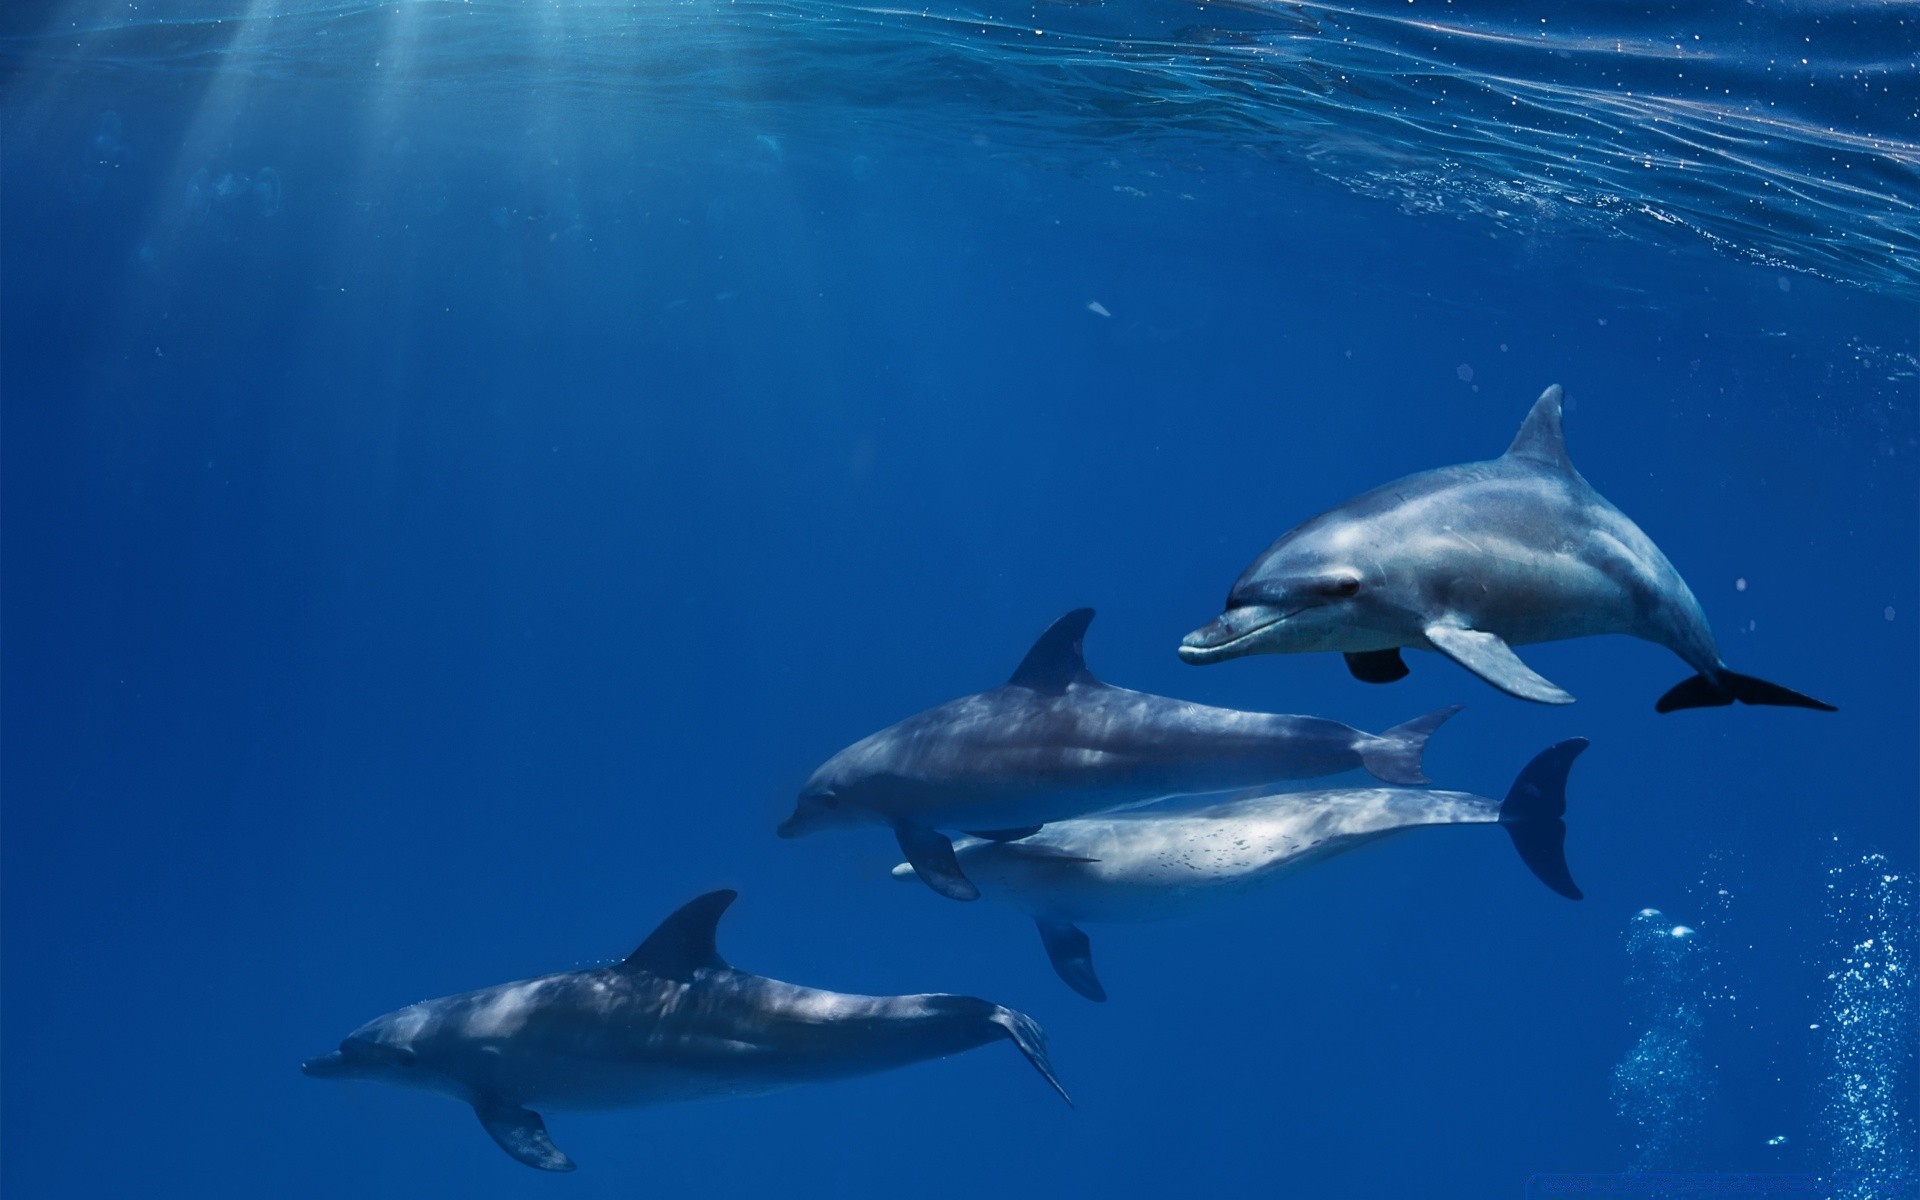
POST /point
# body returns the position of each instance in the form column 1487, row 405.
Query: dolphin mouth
column 790, row 828
column 330, row 1065
column 1223, row 638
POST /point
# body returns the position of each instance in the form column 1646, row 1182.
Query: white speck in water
column 1465, row 373
column 1097, row 309
column 1680, row 931
column 1740, row 584
column 1778, row 1139
column 1887, row 612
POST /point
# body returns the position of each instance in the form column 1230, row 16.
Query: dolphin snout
column 327, row 1066
column 1197, row 647
column 791, row 827
column 1226, row 635
column 1198, row 656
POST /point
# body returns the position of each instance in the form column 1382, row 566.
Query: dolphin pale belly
column 671, row 1023
column 1147, row 865
column 1469, row 562
column 1054, row 743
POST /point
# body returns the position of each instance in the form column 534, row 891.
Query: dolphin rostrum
column 1054, row 742
column 1471, row 561
column 673, row 1022
column 1149, row 864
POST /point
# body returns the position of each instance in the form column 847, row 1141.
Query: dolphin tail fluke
column 1724, row 687
column 1025, row 1032
column 1533, row 813
column 1071, row 953
column 522, row 1133
column 1394, row 756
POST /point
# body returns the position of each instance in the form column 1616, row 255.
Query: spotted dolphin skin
column 1054, row 742
column 672, row 1023
column 1470, row 561
column 1148, row 865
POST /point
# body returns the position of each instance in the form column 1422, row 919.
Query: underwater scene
column 1024, row 599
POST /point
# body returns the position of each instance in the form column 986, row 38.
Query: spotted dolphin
column 1470, row 561
column 1054, row 742
column 1146, row 865
column 673, row 1022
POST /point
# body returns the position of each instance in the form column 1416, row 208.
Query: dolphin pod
column 1053, row 742
column 1469, row 562
column 1048, row 775
column 1147, row 865
column 672, row 1022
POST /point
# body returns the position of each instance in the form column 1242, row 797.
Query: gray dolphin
column 1471, row 561
column 1152, row 864
column 1054, row 742
column 672, row 1023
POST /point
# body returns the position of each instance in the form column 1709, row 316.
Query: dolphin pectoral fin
column 1072, row 956
column 1026, row 1033
column 1377, row 666
column 1493, row 660
column 522, row 1133
column 932, row 857
column 1005, row 835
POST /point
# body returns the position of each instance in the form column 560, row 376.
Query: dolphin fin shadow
column 1072, row 956
column 1489, row 657
column 933, row 861
column 1005, row 835
column 522, row 1133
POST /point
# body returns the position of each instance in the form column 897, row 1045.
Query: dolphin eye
column 829, row 800
column 362, row 1050
column 1346, row 585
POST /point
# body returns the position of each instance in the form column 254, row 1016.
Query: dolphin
column 1147, row 865
column 1054, row 742
column 1470, row 561
column 673, row 1022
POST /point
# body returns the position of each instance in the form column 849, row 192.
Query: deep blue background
column 433, row 563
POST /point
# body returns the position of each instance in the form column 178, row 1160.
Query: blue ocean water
column 463, row 465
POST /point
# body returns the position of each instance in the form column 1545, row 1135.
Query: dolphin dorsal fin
column 1056, row 659
column 684, row 941
column 1540, row 439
